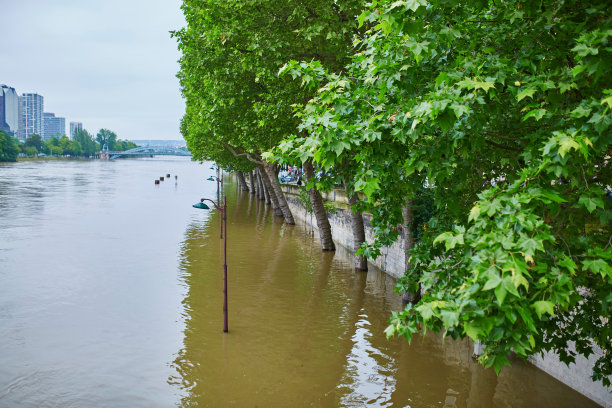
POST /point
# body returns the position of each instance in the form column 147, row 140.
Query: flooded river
column 110, row 296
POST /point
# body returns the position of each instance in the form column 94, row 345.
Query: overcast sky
column 107, row 63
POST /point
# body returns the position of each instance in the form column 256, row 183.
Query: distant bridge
column 148, row 151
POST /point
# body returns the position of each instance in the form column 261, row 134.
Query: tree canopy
column 231, row 54
column 8, row 147
column 501, row 111
column 106, row 138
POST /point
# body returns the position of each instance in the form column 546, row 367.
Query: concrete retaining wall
column 576, row 376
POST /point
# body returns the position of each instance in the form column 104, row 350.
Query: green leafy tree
column 503, row 112
column 232, row 51
column 8, row 147
column 89, row 147
column 30, row 151
column 122, row 145
column 107, row 138
column 34, row 141
column 53, row 147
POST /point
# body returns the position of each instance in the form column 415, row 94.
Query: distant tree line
column 82, row 145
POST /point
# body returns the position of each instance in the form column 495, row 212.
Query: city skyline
column 114, row 66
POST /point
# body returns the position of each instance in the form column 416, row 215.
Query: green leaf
column 426, row 311
column 492, row 283
column 525, row 93
column 509, row 286
column 500, row 294
column 544, row 306
column 472, row 330
column 499, row 361
column 591, row 203
column 598, row 266
column 530, row 246
column 449, row 318
column 415, row 4
column 459, row 109
column 552, row 197
column 474, row 213
column 450, row 240
column 537, row 114
column 474, row 84
column 566, row 144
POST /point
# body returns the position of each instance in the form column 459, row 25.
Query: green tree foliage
column 34, row 141
column 89, row 147
column 52, row 147
column 30, row 151
column 503, row 111
column 123, row 145
column 107, row 138
column 231, row 54
column 8, row 147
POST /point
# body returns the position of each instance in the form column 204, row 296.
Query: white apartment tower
column 32, row 115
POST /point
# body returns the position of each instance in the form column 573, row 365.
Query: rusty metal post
column 225, row 324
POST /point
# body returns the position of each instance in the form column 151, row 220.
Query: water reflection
column 306, row 330
column 369, row 374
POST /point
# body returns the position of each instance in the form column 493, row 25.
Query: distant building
column 54, row 126
column 20, row 130
column 9, row 110
column 32, row 115
column 74, row 126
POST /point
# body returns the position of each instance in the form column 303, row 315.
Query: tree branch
column 244, row 153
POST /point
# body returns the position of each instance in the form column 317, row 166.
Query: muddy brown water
column 110, row 296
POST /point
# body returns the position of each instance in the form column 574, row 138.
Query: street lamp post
column 223, row 211
column 212, row 178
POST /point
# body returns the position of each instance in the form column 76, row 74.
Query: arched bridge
column 148, row 151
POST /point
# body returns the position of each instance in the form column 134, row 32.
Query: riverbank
column 392, row 261
column 52, row 158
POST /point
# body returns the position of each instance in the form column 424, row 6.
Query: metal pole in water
column 225, row 324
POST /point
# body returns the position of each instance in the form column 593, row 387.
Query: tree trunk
column 264, row 187
column 361, row 262
column 260, row 189
column 280, row 196
column 409, row 297
column 242, row 181
column 252, row 183
column 318, row 209
column 270, row 194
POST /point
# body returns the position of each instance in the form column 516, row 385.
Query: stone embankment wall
column 391, row 260
column 576, row 376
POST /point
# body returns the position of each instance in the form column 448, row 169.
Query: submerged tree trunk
column 280, row 196
column 409, row 297
column 270, row 194
column 260, row 189
column 242, row 181
column 251, row 183
column 264, row 187
column 361, row 262
column 318, row 209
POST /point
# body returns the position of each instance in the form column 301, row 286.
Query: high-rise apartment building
column 9, row 110
column 54, row 126
column 74, row 126
column 32, row 114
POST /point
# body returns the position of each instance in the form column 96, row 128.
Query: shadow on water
column 305, row 329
